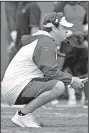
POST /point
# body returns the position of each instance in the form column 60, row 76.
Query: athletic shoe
column 25, row 121
column 71, row 97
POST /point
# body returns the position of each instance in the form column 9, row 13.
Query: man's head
column 56, row 25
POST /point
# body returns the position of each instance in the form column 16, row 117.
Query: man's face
column 61, row 32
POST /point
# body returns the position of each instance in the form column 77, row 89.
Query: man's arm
column 10, row 8
column 45, row 59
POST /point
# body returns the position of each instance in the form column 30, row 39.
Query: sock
column 21, row 114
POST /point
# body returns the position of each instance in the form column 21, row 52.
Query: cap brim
column 65, row 23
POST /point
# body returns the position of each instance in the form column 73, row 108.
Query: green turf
column 55, row 120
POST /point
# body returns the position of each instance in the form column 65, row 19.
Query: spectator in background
column 76, row 13
column 76, row 52
column 23, row 18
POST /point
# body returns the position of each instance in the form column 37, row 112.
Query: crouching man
column 33, row 76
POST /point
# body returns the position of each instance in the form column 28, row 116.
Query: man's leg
column 86, row 95
column 60, row 60
column 71, row 97
column 44, row 98
column 24, row 117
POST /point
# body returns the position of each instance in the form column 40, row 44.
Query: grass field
column 56, row 119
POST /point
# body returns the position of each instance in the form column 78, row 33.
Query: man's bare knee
column 59, row 88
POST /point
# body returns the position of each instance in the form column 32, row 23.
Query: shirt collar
column 41, row 32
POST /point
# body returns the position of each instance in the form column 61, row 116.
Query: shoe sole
column 16, row 122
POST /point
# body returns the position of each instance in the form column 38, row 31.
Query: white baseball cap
column 54, row 18
column 65, row 23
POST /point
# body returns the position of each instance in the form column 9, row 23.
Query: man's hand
column 76, row 83
column 14, row 36
column 34, row 29
column 11, row 48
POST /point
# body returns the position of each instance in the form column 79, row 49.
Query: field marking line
column 56, row 115
column 14, row 106
column 23, row 132
column 7, row 112
column 61, row 105
column 7, row 131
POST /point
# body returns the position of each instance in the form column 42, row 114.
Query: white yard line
column 59, row 105
column 51, row 115
column 64, row 115
column 7, row 106
column 6, row 131
column 9, row 131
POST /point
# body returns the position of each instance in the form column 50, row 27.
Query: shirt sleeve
column 45, row 59
column 59, row 7
column 34, row 15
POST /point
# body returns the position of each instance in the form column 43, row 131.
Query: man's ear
column 54, row 28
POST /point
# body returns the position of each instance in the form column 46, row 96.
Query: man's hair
column 51, row 18
column 49, row 29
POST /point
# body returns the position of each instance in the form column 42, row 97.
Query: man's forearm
column 56, row 74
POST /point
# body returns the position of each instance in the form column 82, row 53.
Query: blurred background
column 45, row 8
column 74, row 11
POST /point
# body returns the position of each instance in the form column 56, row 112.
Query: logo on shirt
column 45, row 48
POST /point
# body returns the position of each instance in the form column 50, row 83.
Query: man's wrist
column 71, row 81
